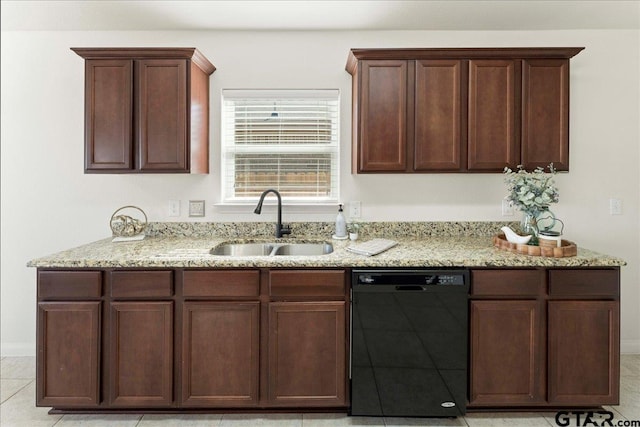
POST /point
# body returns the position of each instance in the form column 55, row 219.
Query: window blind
column 286, row 140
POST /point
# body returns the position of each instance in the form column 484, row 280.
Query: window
column 281, row 139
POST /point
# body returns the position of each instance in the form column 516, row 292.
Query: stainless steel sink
column 243, row 249
column 272, row 249
column 302, row 249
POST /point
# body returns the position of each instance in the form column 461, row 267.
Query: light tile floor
column 17, row 408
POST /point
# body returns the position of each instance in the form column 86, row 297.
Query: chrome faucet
column 280, row 229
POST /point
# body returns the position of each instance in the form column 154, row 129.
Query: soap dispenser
column 341, row 225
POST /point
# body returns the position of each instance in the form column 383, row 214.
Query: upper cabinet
column 146, row 110
column 459, row 110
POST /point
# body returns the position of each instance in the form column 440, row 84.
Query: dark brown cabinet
column 220, row 354
column 577, row 373
column 533, row 335
column 494, row 92
column 505, row 338
column 141, row 357
column 437, row 116
column 382, row 116
column 545, row 113
column 260, row 338
column 70, row 335
column 307, row 353
column 220, row 338
column 68, row 339
column 140, row 337
column 459, row 110
column 584, row 315
column 146, row 110
column 307, row 338
column 192, row 338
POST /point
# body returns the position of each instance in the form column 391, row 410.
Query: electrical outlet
column 615, row 207
column 196, row 207
column 174, row 207
column 355, row 209
column 507, row 209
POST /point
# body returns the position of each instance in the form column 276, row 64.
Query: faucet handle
column 285, row 229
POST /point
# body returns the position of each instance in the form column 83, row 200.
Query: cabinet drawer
column 578, row 283
column 304, row 283
column 507, row 282
column 141, row 284
column 223, row 283
column 69, row 284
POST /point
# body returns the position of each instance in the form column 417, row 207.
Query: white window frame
column 228, row 148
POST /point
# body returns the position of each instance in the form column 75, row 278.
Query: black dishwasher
column 409, row 342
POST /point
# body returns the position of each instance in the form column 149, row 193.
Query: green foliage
column 531, row 192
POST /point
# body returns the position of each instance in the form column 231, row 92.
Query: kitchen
column 48, row 198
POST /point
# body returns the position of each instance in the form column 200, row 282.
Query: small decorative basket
column 126, row 225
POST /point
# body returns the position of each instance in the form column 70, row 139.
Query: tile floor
column 17, row 408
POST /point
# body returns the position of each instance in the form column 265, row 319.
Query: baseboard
column 13, row 349
column 630, row 346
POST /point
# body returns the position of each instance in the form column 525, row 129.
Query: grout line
column 17, row 391
column 615, row 411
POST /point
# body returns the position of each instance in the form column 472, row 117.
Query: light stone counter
column 177, row 245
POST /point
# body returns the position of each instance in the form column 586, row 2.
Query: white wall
column 48, row 204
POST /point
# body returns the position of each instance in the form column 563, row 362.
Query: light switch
column 174, row 208
column 355, row 209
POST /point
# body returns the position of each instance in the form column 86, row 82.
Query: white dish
column 513, row 237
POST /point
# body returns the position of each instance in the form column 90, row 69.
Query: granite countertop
column 178, row 245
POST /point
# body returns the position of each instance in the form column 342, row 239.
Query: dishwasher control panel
column 410, row 277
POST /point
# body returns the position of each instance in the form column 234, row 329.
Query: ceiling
column 121, row 15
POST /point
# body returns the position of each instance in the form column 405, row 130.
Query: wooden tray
column 566, row 249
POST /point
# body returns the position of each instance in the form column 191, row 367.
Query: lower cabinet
column 505, row 338
column 220, row 353
column 68, row 353
column 69, row 331
column 140, row 333
column 168, row 339
column 307, row 331
column 544, row 337
column 141, row 357
column 584, row 354
column 220, row 339
column 307, row 353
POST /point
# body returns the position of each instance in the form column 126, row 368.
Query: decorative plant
column 531, row 192
column 353, row 227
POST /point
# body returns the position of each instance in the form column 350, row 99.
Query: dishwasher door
column 409, row 343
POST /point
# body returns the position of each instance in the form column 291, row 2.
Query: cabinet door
column 220, row 353
column 437, row 115
column 141, row 354
column 68, row 349
column 108, row 115
column 307, row 354
column 584, row 352
column 161, row 115
column 494, row 91
column 506, row 354
column 382, row 126
column 545, row 113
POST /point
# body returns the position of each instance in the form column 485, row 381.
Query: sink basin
column 302, row 249
column 272, row 249
column 243, row 249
